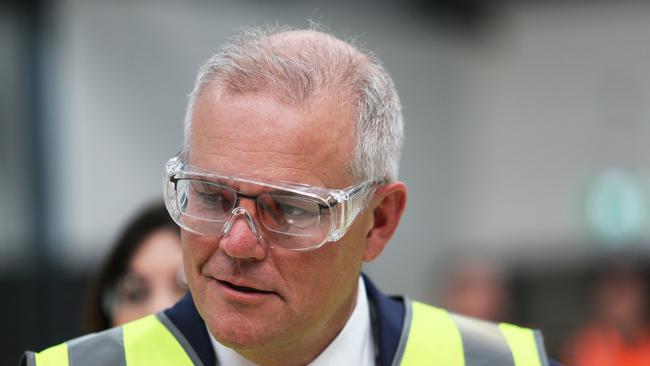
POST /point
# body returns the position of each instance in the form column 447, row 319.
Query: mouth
column 244, row 289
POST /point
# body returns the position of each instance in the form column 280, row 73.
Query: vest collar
column 188, row 321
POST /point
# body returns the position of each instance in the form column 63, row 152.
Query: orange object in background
column 619, row 334
column 600, row 346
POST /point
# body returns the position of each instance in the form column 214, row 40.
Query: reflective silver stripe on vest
column 104, row 348
column 406, row 327
column 539, row 340
column 29, row 359
column 180, row 338
column 483, row 343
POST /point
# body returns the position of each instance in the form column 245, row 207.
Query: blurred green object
column 617, row 207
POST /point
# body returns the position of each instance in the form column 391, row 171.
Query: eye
column 292, row 210
column 133, row 289
column 288, row 214
column 213, row 196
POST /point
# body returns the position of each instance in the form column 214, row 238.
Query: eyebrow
column 245, row 189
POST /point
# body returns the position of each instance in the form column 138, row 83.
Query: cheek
column 197, row 249
column 322, row 276
column 125, row 313
column 193, row 245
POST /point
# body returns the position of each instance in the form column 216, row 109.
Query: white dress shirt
column 352, row 346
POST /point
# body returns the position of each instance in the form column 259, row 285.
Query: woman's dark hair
column 115, row 266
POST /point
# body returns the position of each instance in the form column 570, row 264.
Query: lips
column 244, row 289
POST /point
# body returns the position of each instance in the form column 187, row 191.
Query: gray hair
column 297, row 65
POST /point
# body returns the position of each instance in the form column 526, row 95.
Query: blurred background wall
column 527, row 126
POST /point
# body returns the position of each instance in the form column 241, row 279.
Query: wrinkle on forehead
column 232, row 164
column 255, row 134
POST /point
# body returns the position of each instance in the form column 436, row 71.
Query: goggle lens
column 290, row 221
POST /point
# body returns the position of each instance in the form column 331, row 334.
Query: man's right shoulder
column 147, row 341
column 104, row 347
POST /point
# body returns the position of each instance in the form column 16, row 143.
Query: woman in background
column 142, row 275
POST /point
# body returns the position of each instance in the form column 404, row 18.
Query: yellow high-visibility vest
column 431, row 336
column 437, row 337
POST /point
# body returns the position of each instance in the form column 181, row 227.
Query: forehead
column 257, row 135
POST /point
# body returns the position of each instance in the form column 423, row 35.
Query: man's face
column 303, row 298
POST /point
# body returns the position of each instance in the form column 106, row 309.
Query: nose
column 241, row 237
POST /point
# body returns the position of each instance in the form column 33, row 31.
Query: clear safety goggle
column 286, row 215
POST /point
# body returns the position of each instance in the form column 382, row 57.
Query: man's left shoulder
column 502, row 343
column 402, row 325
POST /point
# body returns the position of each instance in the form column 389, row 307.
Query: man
column 288, row 183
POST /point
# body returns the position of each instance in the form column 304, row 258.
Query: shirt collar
column 353, row 345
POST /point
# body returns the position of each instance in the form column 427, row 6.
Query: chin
column 238, row 326
column 239, row 334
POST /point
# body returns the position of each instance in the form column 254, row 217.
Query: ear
column 387, row 206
